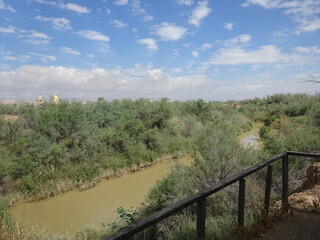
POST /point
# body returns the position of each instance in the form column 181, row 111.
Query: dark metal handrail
column 200, row 198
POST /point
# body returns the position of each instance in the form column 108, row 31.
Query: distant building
column 55, row 99
column 40, row 100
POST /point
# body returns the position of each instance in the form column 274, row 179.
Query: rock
column 308, row 200
column 313, row 176
column 307, row 196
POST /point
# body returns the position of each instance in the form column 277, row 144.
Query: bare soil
column 303, row 223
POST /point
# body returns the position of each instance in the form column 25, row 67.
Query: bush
column 85, row 173
column 174, row 186
column 263, row 132
column 5, row 217
column 29, row 184
column 315, row 118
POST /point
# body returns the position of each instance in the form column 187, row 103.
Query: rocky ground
column 303, row 221
column 299, row 225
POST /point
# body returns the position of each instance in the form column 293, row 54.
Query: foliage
column 93, row 137
column 42, row 146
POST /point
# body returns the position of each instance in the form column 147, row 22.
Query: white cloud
column 199, row 13
column 264, row 3
column 136, row 7
column 19, row 58
column 121, row 2
column 187, row 45
column 6, row 6
column 29, row 81
column 243, row 38
column 10, row 58
column 282, row 33
column 60, row 24
column 70, row 51
column 137, row 10
column 240, row 39
column 308, row 50
column 3, row 51
column 184, row 2
column 9, row 29
column 303, row 12
column 93, row 35
column 150, row 42
column 293, row 7
column 206, row 46
column 34, row 37
column 158, row 79
column 169, row 31
column 175, row 52
column 264, row 55
column 43, row 57
column 251, row 87
column 78, row 83
column 228, row 25
column 69, row 6
column 118, row 23
column 308, row 25
column 75, row 7
column 147, row 18
column 195, row 54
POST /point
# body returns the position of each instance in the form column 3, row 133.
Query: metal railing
column 200, row 198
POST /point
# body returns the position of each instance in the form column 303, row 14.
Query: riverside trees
column 54, row 147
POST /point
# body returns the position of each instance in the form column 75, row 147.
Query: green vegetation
column 55, row 147
column 290, row 123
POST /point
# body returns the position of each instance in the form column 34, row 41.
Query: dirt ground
column 303, row 223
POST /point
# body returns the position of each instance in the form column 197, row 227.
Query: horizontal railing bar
column 168, row 211
column 302, row 154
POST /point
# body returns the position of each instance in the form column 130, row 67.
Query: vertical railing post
column 241, row 202
column 267, row 192
column 285, row 185
column 201, row 218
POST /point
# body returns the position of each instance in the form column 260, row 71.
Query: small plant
column 126, row 217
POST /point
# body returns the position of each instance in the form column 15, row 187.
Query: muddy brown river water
column 70, row 211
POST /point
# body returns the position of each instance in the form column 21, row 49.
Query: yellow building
column 55, row 99
column 40, row 100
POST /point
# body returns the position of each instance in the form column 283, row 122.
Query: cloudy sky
column 180, row 49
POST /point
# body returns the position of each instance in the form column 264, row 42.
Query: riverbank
column 71, row 211
column 96, row 202
column 64, row 186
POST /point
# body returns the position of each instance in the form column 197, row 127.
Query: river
column 251, row 138
column 68, row 212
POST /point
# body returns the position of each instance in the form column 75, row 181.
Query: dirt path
column 301, row 225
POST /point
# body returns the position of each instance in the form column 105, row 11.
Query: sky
column 179, row 49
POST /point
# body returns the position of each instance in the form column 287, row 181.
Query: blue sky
column 180, row 49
